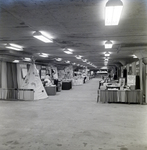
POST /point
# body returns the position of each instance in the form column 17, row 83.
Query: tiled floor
column 72, row 120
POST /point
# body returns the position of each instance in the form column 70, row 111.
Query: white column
column 134, row 68
column 140, row 74
column 145, row 83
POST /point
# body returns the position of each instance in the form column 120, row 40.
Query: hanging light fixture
column 78, row 56
column 134, row 56
column 113, row 11
column 42, row 37
column 43, row 54
column 16, row 61
column 108, row 44
column 67, row 51
column 67, row 61
column 27, row 59
column 107, row 54
column 58, row 59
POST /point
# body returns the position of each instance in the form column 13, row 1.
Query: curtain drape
column 11, row 75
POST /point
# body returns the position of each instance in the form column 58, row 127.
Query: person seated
column 47, row 81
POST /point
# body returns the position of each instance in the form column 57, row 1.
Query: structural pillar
column 134, row 68
column 145, row 62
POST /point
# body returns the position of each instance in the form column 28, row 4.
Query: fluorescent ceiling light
column 41, row 37
column 134, row 56
column 43, row 55
column 67, row 61
column 113, row 11
column 88, row 63
column 84, row 60
column 58, row 59
column 78, row 56
column 27, row 59
column 69, row 49
column 67, row 52
column 73, row 63
column 14, row 47
column 108, row 44
column 46, row 34
column 16, row 61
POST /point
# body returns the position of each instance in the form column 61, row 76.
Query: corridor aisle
column 72, row 120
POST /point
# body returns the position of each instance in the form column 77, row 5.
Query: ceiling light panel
column 43, row 55
column 14, row 47
column 113, row 11
column 41, row 37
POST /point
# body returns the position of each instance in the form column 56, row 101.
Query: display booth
column 118, row 91
column 33, row 81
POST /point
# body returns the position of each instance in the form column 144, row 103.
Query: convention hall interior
column 73, row 74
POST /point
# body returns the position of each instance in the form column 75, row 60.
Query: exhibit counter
column 77, row 81
column 51, row 90
column 16, row 94
column 123, row 96
column 66, row 84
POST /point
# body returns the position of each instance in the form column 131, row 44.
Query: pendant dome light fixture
column 108, row 44
column 113, row 11
column 107, row 54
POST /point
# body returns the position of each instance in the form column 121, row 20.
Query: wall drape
column 11, row 75
column 19, row 76
column 3, row 75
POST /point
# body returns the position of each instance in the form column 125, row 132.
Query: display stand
column 66, row 85
column 50, row 90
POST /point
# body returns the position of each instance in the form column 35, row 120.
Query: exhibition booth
column 30, row 81
column 124, row 89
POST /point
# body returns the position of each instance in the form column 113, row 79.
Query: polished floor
column 72, row 120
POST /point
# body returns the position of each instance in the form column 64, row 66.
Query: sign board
column 131, row 80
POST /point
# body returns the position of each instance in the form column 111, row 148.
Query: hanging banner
column 131, row 80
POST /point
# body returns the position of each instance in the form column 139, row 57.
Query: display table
column 66, row 85
column 77, row 81
column 50, row 90
column 16, row 94
column 126, row 96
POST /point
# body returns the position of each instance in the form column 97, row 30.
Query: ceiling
column 75, row 24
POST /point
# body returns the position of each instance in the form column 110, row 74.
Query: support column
column 134, row 68
column 127, row 67
column 145, row 62
column 140, row 74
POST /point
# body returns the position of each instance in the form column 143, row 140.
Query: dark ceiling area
column 73, row 24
